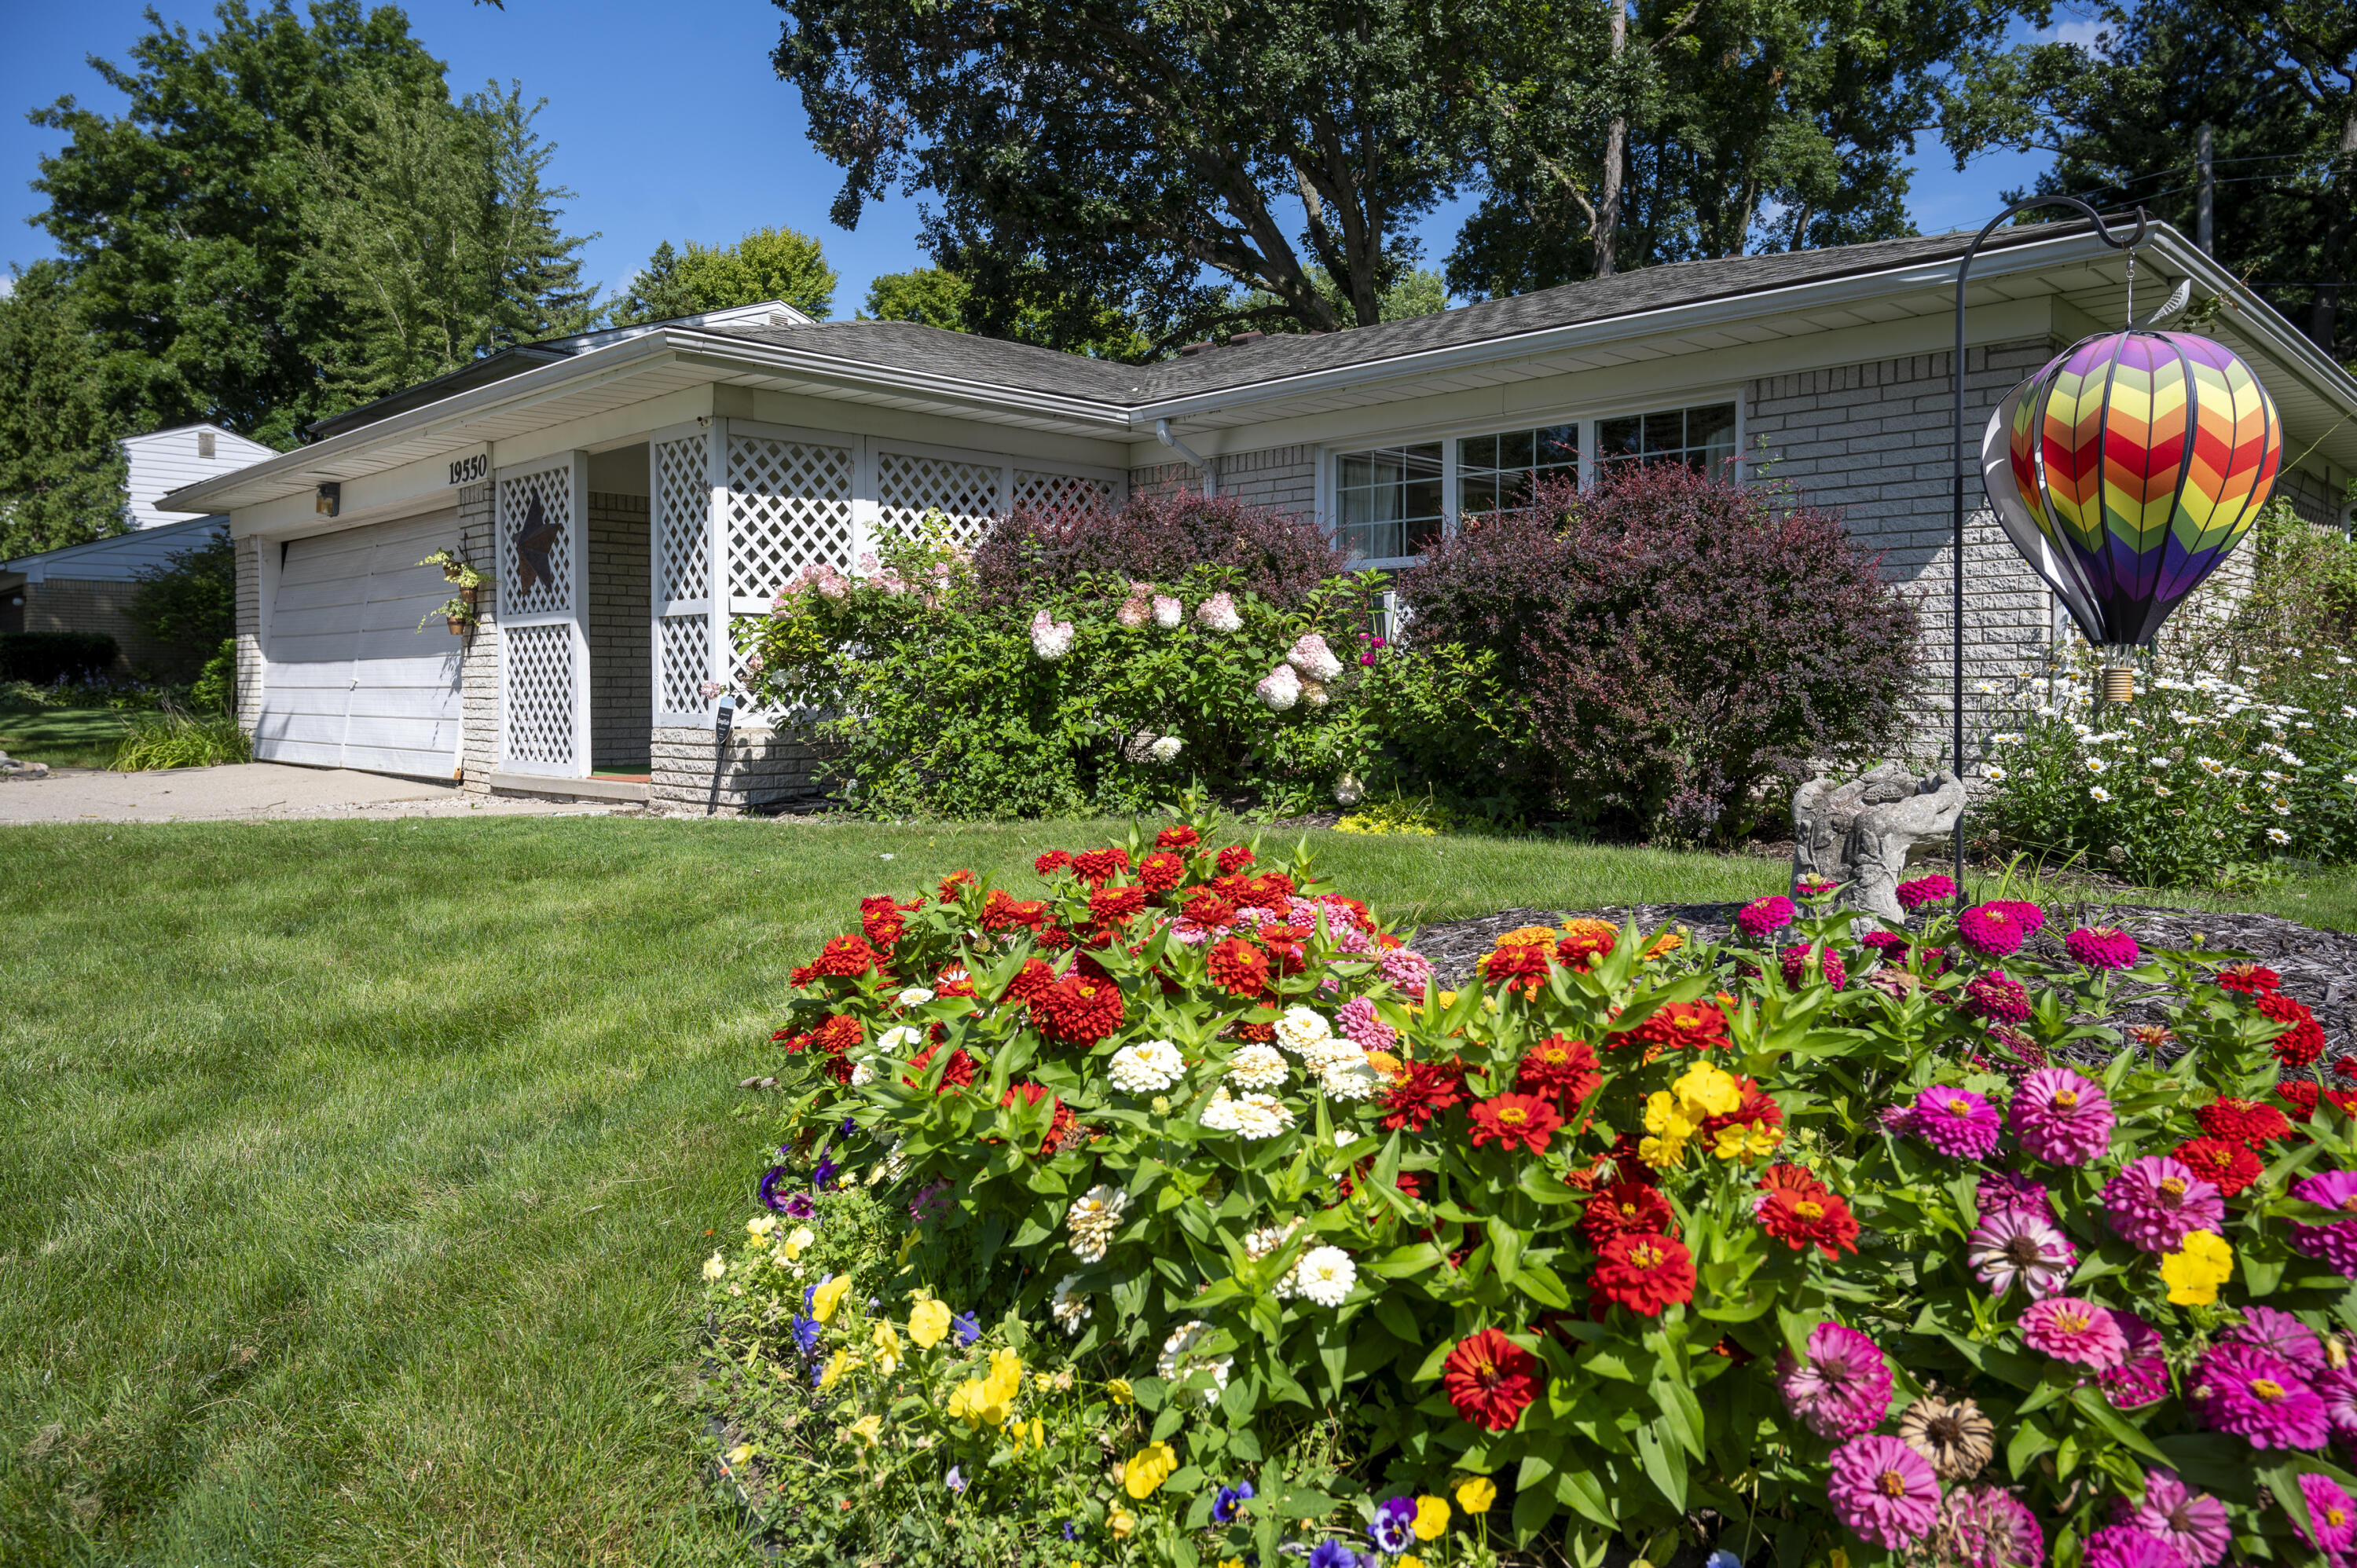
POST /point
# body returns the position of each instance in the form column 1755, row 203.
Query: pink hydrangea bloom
column 2331, row 1517
column 2101, row 947
column 1987, row 1527
column 2003, row 1192
column 1992, row 931
column 2076, row 1331
column 1763, row 917
column 2257, row 1398
column 1842, row 1387
column 1410, row 972
column 2280, row 1335
column 2117, row 1546
column 1357, row 1020
column 1884, row 1490
column 1913, row 896
column 1957, row 1121
column 2019, row 1247
column 2334, row 1245
column 2061, row 1118
column 2156, row 1202
column 1796, row 964
column 2142, row 1377
column 2193, row 1523
column 1997, row 996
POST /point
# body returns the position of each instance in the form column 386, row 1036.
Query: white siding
column 120, row 558
column 351, row 681
column 164, row 460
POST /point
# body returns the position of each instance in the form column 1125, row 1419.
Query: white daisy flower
column 2096, row 765
column 2210, row 765
column 2276, row 835
column 2100, row 795
column 1997, row 774
column 2163, row 790
column 1257, row 1067
column 1325, row 1275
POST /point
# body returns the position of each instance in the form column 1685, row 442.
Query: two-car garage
column 348, row 679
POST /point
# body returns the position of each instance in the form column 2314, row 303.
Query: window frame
column 1587, row 416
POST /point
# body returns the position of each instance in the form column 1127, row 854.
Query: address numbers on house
column 470, row 470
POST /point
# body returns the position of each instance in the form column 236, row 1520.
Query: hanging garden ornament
column 2125, row 471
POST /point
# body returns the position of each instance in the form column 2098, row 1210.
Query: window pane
column 1514, row 450
column 1558, row 446
column 1665, row 433
column 1386, row 499
column 1476, row 492
column 1477, row 452
column 1619, row 437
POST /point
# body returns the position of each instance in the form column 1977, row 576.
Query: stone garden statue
column 1859, row 834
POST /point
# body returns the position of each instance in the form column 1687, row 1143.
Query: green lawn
column 62, row 737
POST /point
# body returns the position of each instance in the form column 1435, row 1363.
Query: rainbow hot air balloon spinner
column 2127, row 468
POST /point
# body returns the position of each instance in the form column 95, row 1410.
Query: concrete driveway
column 253, row 792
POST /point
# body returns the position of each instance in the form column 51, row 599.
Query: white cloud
column 2086, row 35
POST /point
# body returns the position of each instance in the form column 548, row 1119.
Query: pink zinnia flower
column 2003, row 1192
column 1763, row 917
column 1997, row 996
column 2118, row 1546
column 1992, row 931
column 1357, row 1020
column 2076, row 1331
column 2030, row 916
column 1410, row 972
column 2334, row 1245
column 2142, row 1377
column 2061, row 1118
column 2192, row 1523
column 2156, row 1202
column 2101, row 947
column 1884, row 1490
column 2280, row 1335
column 1986, row 1527
column 2331, row 1517
column 1925, row 890
column 2337, row 1387
column 1957, row 1123
column 1843, row 1387
column 1796, row 964
column 1892, row 945
column 2018, row 1246
column 2259, row 1398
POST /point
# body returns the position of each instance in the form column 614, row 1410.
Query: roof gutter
column 1162, row 434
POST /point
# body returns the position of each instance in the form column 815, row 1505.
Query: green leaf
column 1665, row 1463
column 2097, row 1408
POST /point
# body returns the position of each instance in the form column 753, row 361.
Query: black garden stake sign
column 723, row 719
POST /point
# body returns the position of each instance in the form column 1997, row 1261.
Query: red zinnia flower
column 955, row 883
column 1695, row 1024
column 956, row 1073
column 1512, row 1119
column 2230, row 1167
column 837, row 1035
column 1557, row 1066
column 1626, row 1208
column 847, row 956
column 2302, row 1095
column 1100, row 867
column 1273, row 892
column 1110, row 906
column 1078, row 1010
column 1423, row 1091
column 1030, row 982
column 1529, row 966
column 2243, row 1121
column 1234, row 858
column 1179, row 837
column 2301, row 1042
column 1206, row 910
column 1643, row 1274
column 1490, row 1379
column 2248, row 978
column 954, row 981
column 1804, row 1219
column 1002, row 911
column 803, row 975
column 1054, row 861
column 1581, row 948
column 1060, row 1119
column 1162, row 871
column 884, row 920
column 1791, row 1178
column 1239, row 968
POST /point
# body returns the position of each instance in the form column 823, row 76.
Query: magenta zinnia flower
column 1986, row 1527
column 1763, row 917
column 1892, row 945
column 1884, row 1490
column 2101, row 947
column 2076, row 1331
column 2118, row 1546
column 1843, row 1387
column 1796, row 964
column 2192, row 1523
column 2259, row 1398
column 2142, row 1377
column 2331, row 1517
column 2156, row 1202
column 2335, row 1245
column 1997, row 996
column 1992, row 931
column 2061, row 1118
column 1356, row 1018
column 1957, row 1121
column 2337, row 1387
column 2017, row 1246
column 2003, row 1192
column 2030, row 916
column 1913, row 896
column 2280, row 1335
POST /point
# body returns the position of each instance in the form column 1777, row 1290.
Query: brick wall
column 479, row 674
column 1284, row 477
column 249, row 633
column 763, row 766
column 77, row 603
column 621, row 673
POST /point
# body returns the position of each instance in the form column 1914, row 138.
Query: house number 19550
column 471, row 470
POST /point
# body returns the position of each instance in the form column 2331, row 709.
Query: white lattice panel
column 687, row 642
column 540, row 694
column 740, row 679
column 907, row 487
column 682, row 517
column 536, row 543
column 1037, row 491
column 788, row 507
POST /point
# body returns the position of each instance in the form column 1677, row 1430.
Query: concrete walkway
column 254, row 791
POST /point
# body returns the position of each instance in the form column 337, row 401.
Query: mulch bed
column 2319, row 968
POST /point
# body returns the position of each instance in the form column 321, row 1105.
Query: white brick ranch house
column 669, row 477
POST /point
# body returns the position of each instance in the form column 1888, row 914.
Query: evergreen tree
column 61, row 472
column 767, row 263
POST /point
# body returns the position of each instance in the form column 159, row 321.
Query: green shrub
column 215, row 691
column 47, row 658
column 188, row 602
column 171, row 738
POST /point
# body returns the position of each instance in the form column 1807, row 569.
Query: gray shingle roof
column 906, row 346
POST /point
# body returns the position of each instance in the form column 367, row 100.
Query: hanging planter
column 460, row 613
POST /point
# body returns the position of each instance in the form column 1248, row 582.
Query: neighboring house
column 164, row 460
column 690, row 468
column 89, row 587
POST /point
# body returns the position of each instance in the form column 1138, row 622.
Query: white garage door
column 351, row 682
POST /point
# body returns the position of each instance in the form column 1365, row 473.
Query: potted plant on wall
column 470, row 582
column 458, row 612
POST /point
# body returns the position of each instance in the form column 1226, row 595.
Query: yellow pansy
column 795, row 1244
column 1476, row 1493
column 1431, row 1517
column 1232, row 1562
column 1118, row 1391
column 1741, row 1141
column 1837, row 1558
column 1409, row 1560
column 1121, row 1522
column 758, row 1230
column 1661, row 1154
column 1153, row 1464
column 2195, row 1271
column 738, row 1455
column 928, row 1321
column 1669, row 1116
column 828, row 1296
column 1708, row 1089
column 837, row 1364
column 888, row 1348
column 870, row 1430
column 988, row 1401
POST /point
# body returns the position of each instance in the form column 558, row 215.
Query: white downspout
column 1162, row 434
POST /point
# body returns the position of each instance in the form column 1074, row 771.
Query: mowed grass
column 62, row 737
column 356, row 1175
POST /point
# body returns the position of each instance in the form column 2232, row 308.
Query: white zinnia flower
column 1256, row 1067
column 1167, row 612
column 1165, row 750
column 1050, row 639
column 862, row 1075
column 1145, row 1067
column 1325, row 1275
column 1070, row 1311
column 1311, row 655
column 1182, row 1358
column 915, row 997
column 1261, row 1116
column 1218, row 613
column 1279, row 689
column 1093, row 1218
column 1300, row 1029
column 900, row 1038
column 1350, row 1080
column 1221, row 1114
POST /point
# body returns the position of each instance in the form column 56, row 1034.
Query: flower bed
column 1226, row 1231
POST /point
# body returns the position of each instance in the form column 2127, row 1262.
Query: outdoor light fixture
column 329, row 500
column 2124, row 471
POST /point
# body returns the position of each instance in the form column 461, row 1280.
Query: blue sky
column 669, row 123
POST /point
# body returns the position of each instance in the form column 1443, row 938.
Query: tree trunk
column 1616, row 151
